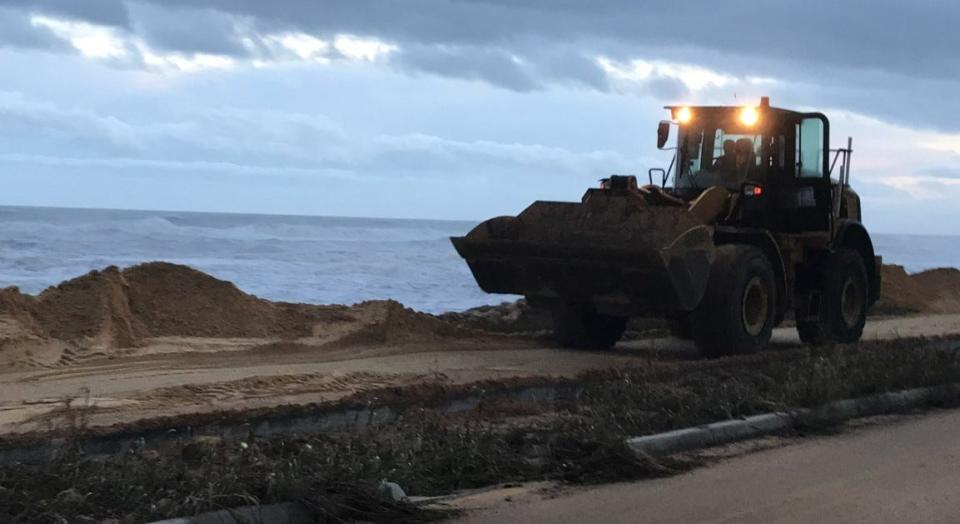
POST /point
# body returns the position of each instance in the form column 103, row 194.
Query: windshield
column 716, row 157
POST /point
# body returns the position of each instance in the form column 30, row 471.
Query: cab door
column 801, row 189
column 813, row 200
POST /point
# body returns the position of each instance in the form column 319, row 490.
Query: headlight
column 684, row 115
column 749, row 115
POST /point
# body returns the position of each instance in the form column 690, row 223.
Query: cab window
column 810, row 148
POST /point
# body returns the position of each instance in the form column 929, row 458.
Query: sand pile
column 94, row 308
column 108, row 310
column 174, row 300
column 18, row 306
column 22, row 339
column 121, row 309
column 388, row 322
column 931, row 291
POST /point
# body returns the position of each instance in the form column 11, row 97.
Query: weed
column 336, row 475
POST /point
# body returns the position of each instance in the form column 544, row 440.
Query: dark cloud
column 917, row 38
column 491, row 65
column 103, row 12
column 17, row 31
column 914, row 37
column 567, row 65
column 858, row 54
column 667, row 88
column 188, row 30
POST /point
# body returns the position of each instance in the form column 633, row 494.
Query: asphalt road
column 906, row 471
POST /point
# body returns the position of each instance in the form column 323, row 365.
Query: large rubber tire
column 737, row 313
column 844, row 301
column 579, row 326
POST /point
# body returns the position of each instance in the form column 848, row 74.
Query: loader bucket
column 614, row 251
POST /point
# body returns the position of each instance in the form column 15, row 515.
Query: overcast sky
column 451, row 108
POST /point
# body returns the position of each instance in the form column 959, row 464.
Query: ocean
column 321, row 260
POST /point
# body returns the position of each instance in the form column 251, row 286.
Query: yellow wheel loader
column 754, row 218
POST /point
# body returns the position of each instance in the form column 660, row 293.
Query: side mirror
column 663, row 133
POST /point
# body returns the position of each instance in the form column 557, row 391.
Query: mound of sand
column 175, row 300
column 931, row 291
column 22, row 339
column 21, row 344
column 389, row 322
column 94, row 308
column 105, row 311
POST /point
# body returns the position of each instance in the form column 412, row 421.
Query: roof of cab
column 764, row 105
column 733, row 108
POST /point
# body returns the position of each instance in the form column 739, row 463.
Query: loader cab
column 774, row 160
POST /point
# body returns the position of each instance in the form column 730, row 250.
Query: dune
column 113, row 312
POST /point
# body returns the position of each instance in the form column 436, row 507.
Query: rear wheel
column 579, row 326
column 737, row 312
column 844, row 301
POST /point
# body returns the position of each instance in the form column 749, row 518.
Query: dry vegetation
column 336, row 475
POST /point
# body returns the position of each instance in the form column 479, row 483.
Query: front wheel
column 844, row 301
column 737, row 313
column 579, row 326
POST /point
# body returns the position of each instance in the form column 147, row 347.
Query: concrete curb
column 728, row 431
column 687, row 439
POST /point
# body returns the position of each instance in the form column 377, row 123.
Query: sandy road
column 131, row 388
column 907, row 471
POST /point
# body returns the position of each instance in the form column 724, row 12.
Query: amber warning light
column 749, row 115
